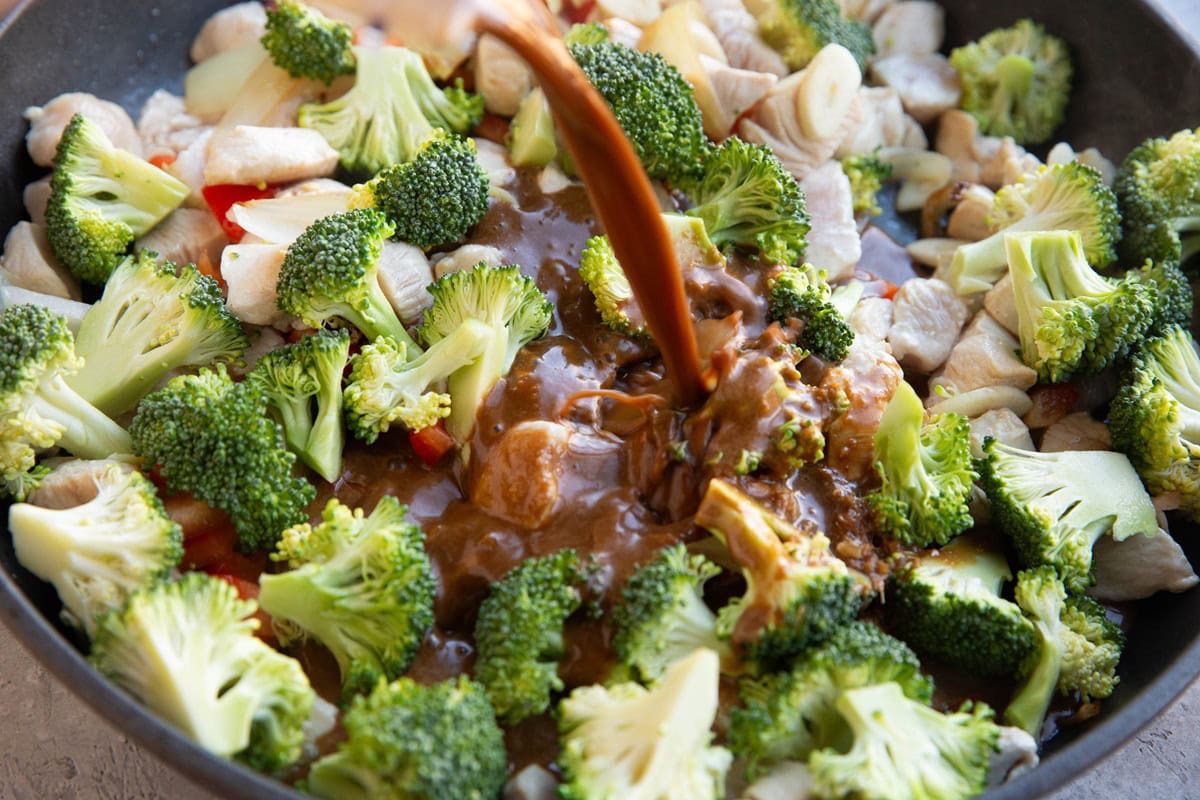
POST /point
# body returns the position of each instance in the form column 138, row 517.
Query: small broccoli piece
column 1158, row 188
column 361, row 586
column 662, row 616
column 504, row 300
column 1016, row 81
column 947, row 604
column 188, row 651
column 98, row 553
column 101, row 199
column 532, row 140
column 746, row 198
column 654, row 105
column 799, row 29
column 797, row 591
column 151, row 319
column 393, row 108
column 1069, row 318
column 37, row 407
column 519, row 633
column 586, row 33
column 1069, row 196
column 1047, row 503
column 610, row 752
column 1078, row 648
column 787, row 715
column 306, row 43
column 434, row 199
column 867, row 173
column 212, row 437
column 801, row 293
column 902, row 748
column 1173, row 301
column 331, row 270
column 926, row 472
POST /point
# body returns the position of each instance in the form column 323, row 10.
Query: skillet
column 1135, row 77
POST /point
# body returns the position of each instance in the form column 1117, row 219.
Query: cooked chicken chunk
column 984, row 356
column 251, row 272
column 247, row 154
column 186, row 236
column 1016, row 752
column 882, row 123
column 914, row 27
column 28, row 262
column 518, row 481
column 872, row 319
column 189, row 167
column 1078, row 431
column 968, row 220
column 1063, row 153
column 867, row 378
column 735, row 92
column 165, row 126
column 501, row 76
column 229, row 29
column 927, row 318
column 1008, row 164
column 737, row 30
column 46, row 124
column 72, row 483
column 1002, row 425
column 833, row 242
column 639, row 12
column 926, row 83
column 35, row 197
column 466, row 257
column 623, row 32
column 1139, row 566
column 404, row 273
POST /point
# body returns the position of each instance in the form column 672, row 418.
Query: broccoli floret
column 361, row 586
column 331, row 270
column 407, row 740
column 1173, row 301
column 787, row 715
column 1049, row 505
column 801, row 293
column 213, row 438
column 654, row 105
column 434, row 199
column 926, row 472
column 902, row 748
column 37, row 407
column 393, row 108
column 610, row 752
column 101, row 199
column 303, row 385
column 746, row 198
column 1069, row 196
column 947, row 604
column 797, row 591
column 98, row 553
column 586, row 33
column 1016, row 81
column 504, row 300
column 519, row 633
column 188, row 651
column 151, row 319
column 532, row 140
column 1078, row 648
column 799, row 29
column 867, row 173
column 1069, row 318
column 306, row 43
column 662, row 616
column 1158, row 188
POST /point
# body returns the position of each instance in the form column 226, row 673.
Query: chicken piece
column 735, row 90
column 249, row 154
column 501, row 76
column 986, row 355
column 1002, row 425
column 46, row 124
column 623, row 32
column 72, row 482
column 35, row 197
column 531, row 783
column 882, row 123
column 251, row 272
column 500, row 171
column 956, row 138
column 788, row 780
column 1007, row 165
column 968, row 220
column 911, row 27
column 927, row 84
column 927, row 318
column 404, row 273
column 28, row 262
column 1016, row 752
column 1063, row 153
column 833, row 241
column 867, row 377
column 1139, row 567
column 639, row 12
column 737, row 31
column 1078, row 431
column 165, row 127
column 466, row 257
column 189, row 167
column 1001, row 303
column 518, row 481
column 552, row 180
column 229, row 29
column 186, row 236
column 871, row 320
column 71, row 310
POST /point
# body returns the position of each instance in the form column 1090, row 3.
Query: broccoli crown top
column 519, row 633
column 801, row 293
column 867, row 173
column 654, row 104
column 798, row 29
column 306, row 43
column 408, row 740
column 605, row 279
column 1158, row 187
column 747, row 198
column 1173, row 295
column 35, row 343
column 1016, row 81
column 586, row 33
column 926, row 472
column 212, row 437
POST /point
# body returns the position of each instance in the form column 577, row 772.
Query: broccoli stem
column 1028, row 707
column 376, row 318
column 87, row 432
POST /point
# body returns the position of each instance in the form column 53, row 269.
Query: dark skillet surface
column 1131, row 72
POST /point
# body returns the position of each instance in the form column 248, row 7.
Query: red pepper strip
column 432, row 443
column 222, row 197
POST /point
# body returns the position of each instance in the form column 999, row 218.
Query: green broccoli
column 151, row 319
column 1174, row 295
column 1158, row 188
column 1047, row 503
column 797, row 591
column 1069, row 318
column 361, row 586
column 331, row 270
column 947, row 604
column 532, row 140
column 926, row 472
column 586, row 33
column 306, row 43
column 519, row 633
column 1078, row 648
column 867, row 173
column 504, row 300
column 101, row 199
column 188, row 651
column 434, row 199
column 212, row 437
column 801, row 294
column 407, row 740
column 98, row 553
column 1069, row 196
column 1016, row 81
column 799, row 29
column 609, row 751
